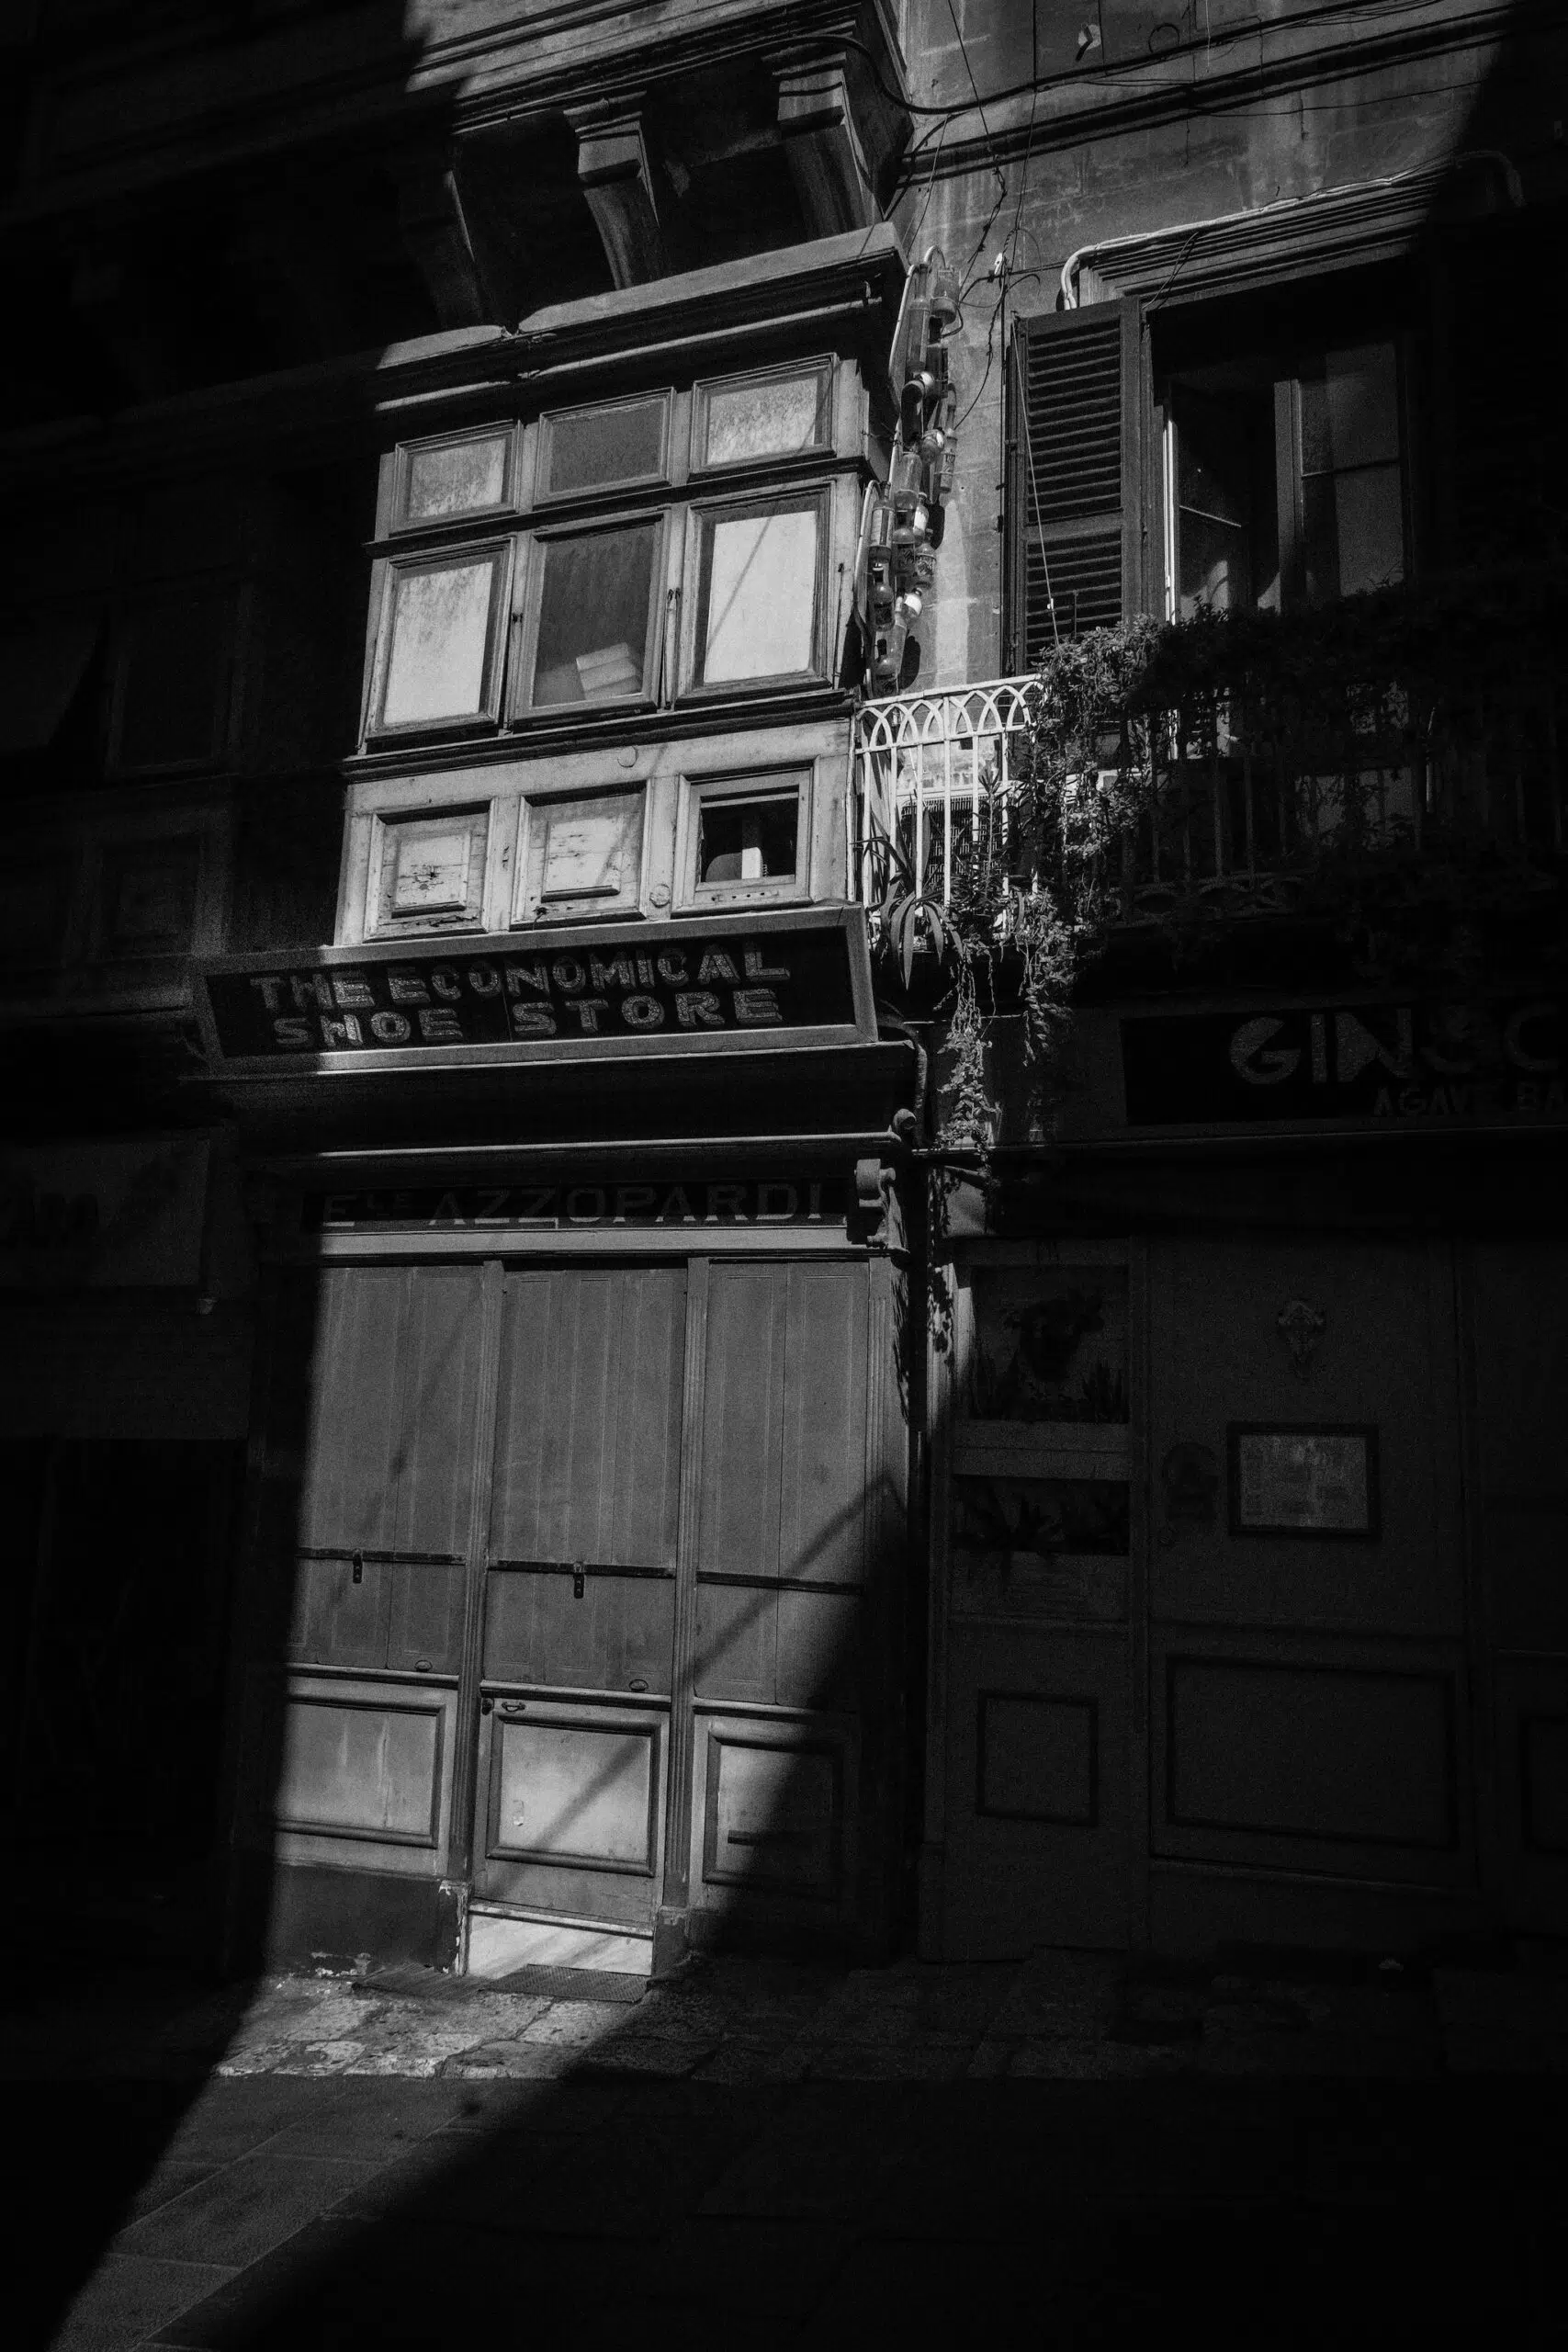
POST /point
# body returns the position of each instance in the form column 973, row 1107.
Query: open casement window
column 1285, row 474
column 580, row 858
column 758, row 590
column 745, row 839
column 438, row 656
column 1074, row 492
column 595, row 598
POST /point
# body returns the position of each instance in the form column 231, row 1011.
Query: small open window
column 611, row 446
column 448, row 479
column 580, row 858
column 440, row 656
column 747, row 839
column 595, row 612
column 759, row 589
column 748, row 420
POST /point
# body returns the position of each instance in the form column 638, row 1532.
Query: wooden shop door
column 576, row 1668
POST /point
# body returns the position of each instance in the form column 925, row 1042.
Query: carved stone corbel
column 826, row 155
column 435, row 233
column 612, row 165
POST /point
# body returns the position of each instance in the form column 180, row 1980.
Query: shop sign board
column 657, row 1203
column 608, row 991
column 1397, row 1064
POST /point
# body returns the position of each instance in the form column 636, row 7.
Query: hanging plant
column 1127, row 728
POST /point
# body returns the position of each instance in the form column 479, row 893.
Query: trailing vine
column 1385, row 768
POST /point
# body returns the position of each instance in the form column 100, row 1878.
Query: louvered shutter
column 1074, row 492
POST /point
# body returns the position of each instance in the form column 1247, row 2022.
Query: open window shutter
column 1075, row 503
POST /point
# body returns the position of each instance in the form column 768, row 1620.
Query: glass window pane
column 1369, row 527
column 596, row 447
column 1350, row 409
column 748, row 840
column 767, row 420
column 593, row 610
column 1213, row 566
column 1354, row 529
column 435, row 667
column 759, row 596
column 455, row 477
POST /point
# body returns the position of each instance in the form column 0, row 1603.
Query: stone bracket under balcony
column 612, row 166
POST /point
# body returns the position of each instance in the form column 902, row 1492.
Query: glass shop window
column 444, row 480
column 607, row 447
column 743, row 420
column 1047, row 1344
column 596, row 615
column 1283, row 488
column 440, row 655
column 758, row 576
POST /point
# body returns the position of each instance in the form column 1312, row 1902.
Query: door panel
column 1309, row 1710
column 381, row 1494
column 580, row 1591
column 587, row 1443
column 426, row 1632
column 349, row 1494
column 822, row 1485
column 782, row 1568
column 572, row 1807
column 742, row 1419
column 435, row 1439
column 1219, row 1357
column 620, row 1632
column 1036, row 1798
column 343, row 1622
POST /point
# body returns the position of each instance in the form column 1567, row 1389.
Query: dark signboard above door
column 1396, row 1063
column 612, row 990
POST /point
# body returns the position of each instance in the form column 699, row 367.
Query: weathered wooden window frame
column 809, row 496
column 400, row 522
column 752, row 783
column 390, row 828
column 531, row 909
column 390, row 570
column 617, row 486
column 521, row 709
column 822, row 366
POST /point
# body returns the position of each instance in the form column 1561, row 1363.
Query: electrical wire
column 964, row 53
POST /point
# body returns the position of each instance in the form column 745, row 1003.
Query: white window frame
column 747, row 783
column 816, row 494
column 450, row 557
column 521, row 709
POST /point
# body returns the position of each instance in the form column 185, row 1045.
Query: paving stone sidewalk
column 342, row 2158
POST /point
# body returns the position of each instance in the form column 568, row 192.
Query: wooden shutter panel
column 1074, row 505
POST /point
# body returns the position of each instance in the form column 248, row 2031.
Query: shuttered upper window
column 1073, row 491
